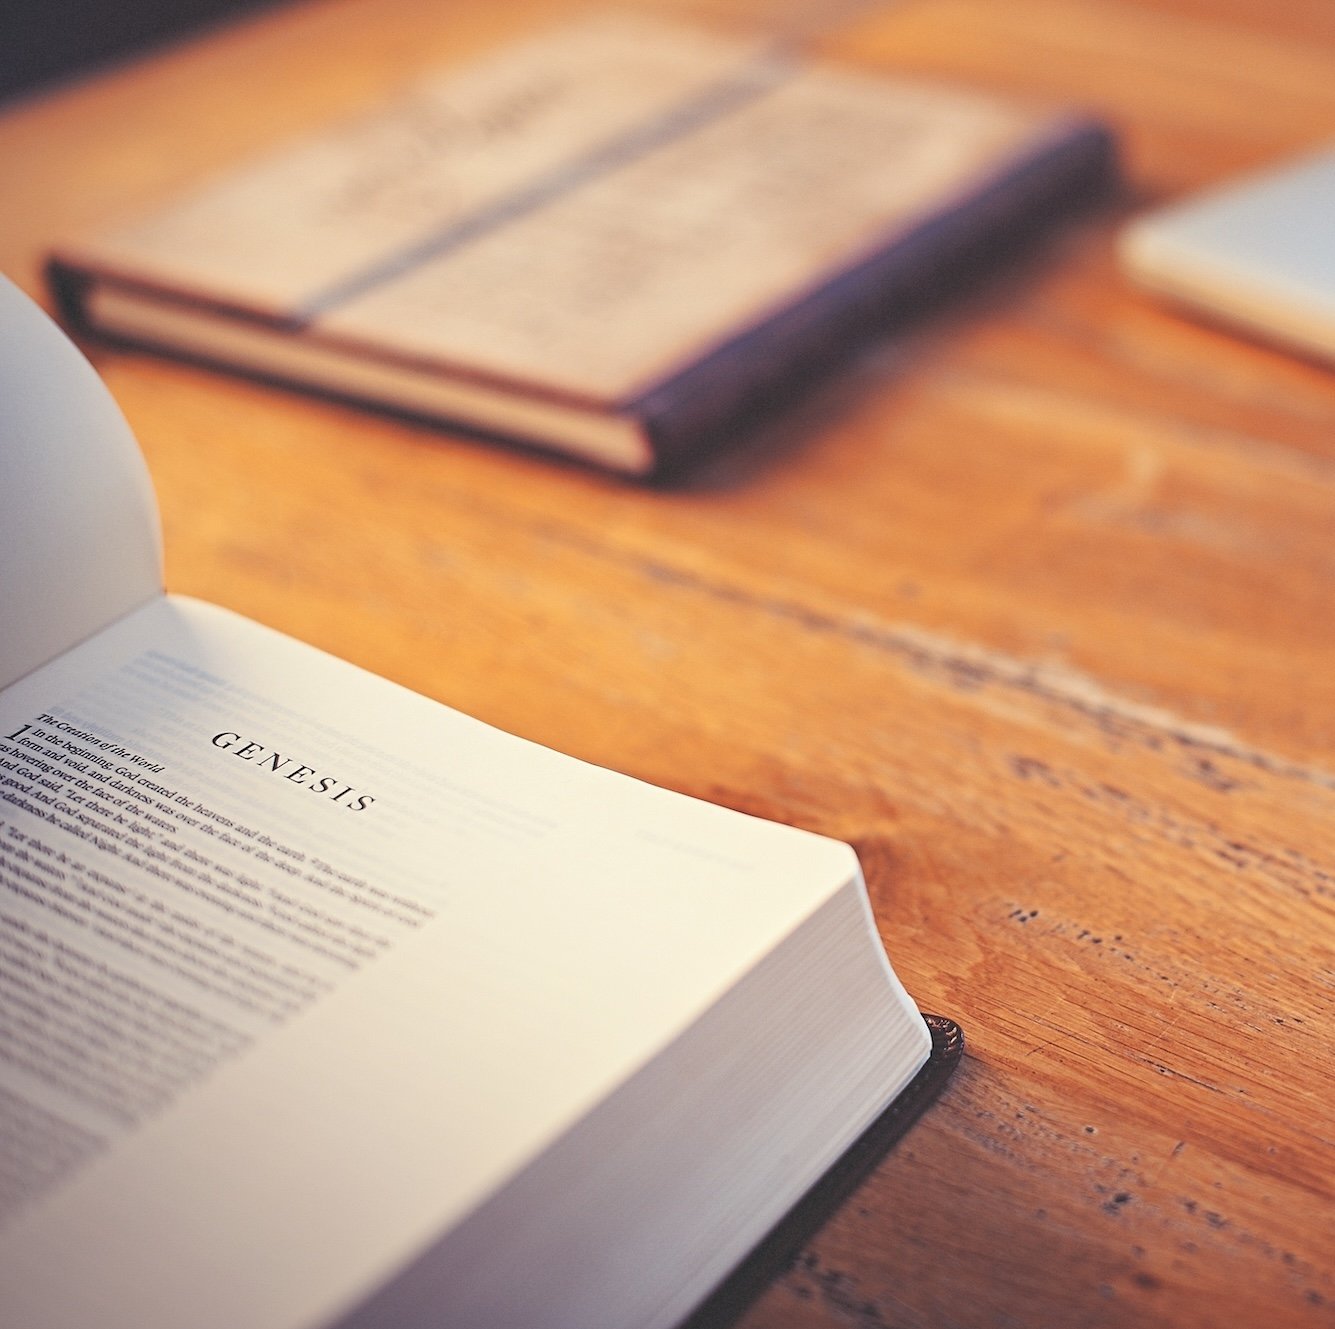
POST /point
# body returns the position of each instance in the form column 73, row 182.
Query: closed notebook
column 615, row 240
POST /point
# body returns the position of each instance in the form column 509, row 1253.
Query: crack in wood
column 967, row 667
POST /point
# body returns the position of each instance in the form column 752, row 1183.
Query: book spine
column 69, row 286
column 747, row 378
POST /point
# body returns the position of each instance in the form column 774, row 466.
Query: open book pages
column 558, row 242
column 322, row 1003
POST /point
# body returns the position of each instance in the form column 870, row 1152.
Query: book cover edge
column 776, row 1251
column 828, row 323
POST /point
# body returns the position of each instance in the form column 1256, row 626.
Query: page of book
column 339, row 960
column 78, row 522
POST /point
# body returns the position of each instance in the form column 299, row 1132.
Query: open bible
column 324, row 1004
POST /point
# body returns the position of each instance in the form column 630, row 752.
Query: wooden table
column 1033, row 604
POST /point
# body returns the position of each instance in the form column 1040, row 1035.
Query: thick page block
column 781, row 1245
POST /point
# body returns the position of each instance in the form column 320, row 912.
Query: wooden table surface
column 1033, row 604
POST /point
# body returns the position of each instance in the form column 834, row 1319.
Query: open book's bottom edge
column 781, row 1245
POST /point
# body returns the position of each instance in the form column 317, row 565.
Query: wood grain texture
column 1032, row 603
